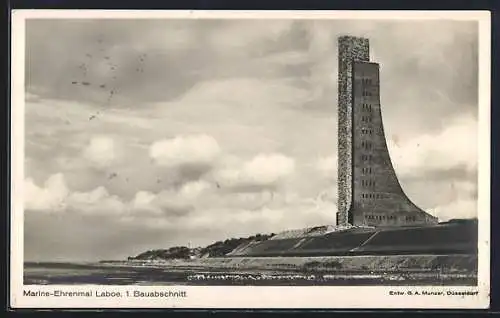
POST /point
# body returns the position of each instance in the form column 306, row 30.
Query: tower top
column 352, row 48
column 350, row 38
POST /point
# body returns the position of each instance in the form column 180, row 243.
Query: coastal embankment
column 372, row 263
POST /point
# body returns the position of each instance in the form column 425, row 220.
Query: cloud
column 97, row 202
column 55, row 196
column 191, row 152
column 292, row 212
column 91, row 197
column 51, row 197
column 166, row 204
column 461, row 208
column 264, row 171
column 455, row 146
column 143, row 202
column 100, row 151
column 194, row 189
column 184, row 158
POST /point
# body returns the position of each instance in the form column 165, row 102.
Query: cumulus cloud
column 455, row 146
column 50, row 197
column 166, row 204
column 261, row 172
column 185, row 150
column 101, row 151
column 169, row 203
column 143, row 202
column 98, row 201
column 196, row 203
column 55, row 196
column 188, row 156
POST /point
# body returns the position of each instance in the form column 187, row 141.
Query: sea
column 46, row 273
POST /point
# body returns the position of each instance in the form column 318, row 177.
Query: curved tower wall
column 378, row 198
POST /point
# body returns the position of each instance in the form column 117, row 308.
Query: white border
column 250, row 297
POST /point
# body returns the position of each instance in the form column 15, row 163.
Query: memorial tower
column 369, row 192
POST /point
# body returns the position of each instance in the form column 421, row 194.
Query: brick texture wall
column 350, row 49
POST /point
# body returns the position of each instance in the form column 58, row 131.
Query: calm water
column 102, row 274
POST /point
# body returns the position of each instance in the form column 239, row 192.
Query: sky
column 144, row 134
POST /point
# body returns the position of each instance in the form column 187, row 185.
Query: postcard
column 250, row 159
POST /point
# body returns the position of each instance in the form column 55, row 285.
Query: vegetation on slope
column 217, row 249
column 177, row 252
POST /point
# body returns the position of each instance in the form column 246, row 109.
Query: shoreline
column 266, row 271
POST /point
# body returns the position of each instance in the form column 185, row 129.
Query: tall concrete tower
column 369, row 192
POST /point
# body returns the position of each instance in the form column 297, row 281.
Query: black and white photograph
column 158, row 157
